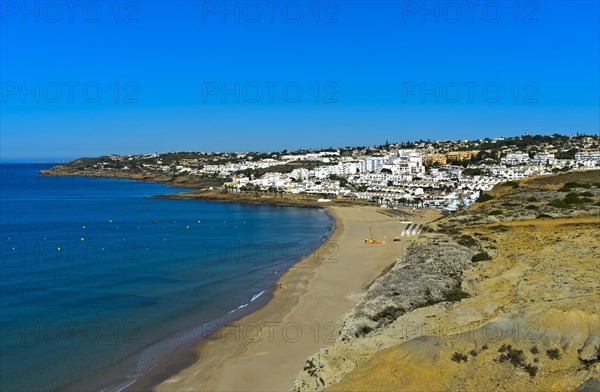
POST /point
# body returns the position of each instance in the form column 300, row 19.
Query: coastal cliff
column 503, row 296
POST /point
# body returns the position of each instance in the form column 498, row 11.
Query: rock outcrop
column 429, row 274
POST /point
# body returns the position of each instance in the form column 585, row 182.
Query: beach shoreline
column 264, row 350
column 186, row 355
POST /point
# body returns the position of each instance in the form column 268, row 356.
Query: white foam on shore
column 257, row 295
column 119, row 387
column 254, row 297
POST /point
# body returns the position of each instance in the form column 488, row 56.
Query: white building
column 515, row 158
column 372, row 164
column 588, row 158
column 407, row 162
column 347, row 168
column 544, row 159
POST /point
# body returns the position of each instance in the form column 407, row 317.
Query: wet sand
column 265, row 350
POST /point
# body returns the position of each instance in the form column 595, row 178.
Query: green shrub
column 553, row 353
column 571, row 185
column 535, row 350
column 364, row 330
column 389, row 314
column 457, row 295
column 497, row 212
column 531, row 370
column 482, row 256
column 513, row 184
column 531, row 207
column 516, row 357
column 485, row 197
column 573, row 200
column 558, row 204
column 484, row 347
column 458, row 357
column 466, row 240
column 473, row 353
column 532, row 199
column 587, row 194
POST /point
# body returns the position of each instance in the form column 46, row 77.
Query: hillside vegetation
column 515, row 305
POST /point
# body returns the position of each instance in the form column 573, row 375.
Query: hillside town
column 442, row 174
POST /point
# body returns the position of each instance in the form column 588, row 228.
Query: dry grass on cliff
column 539, row 294
column 540, row 290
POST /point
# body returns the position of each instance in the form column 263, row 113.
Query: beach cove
column 266, row 349
column 102, row 284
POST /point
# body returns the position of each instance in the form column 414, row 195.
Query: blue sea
column 101, row 284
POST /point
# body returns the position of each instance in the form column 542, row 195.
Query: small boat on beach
column 372, row 241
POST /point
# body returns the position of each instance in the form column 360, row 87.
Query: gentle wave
column 254, row 297
column 257, row 295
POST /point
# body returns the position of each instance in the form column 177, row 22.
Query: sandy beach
column 266, row 349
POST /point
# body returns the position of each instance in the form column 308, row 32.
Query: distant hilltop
column 441, row 174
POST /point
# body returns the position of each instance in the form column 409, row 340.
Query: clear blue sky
column 368, row 60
